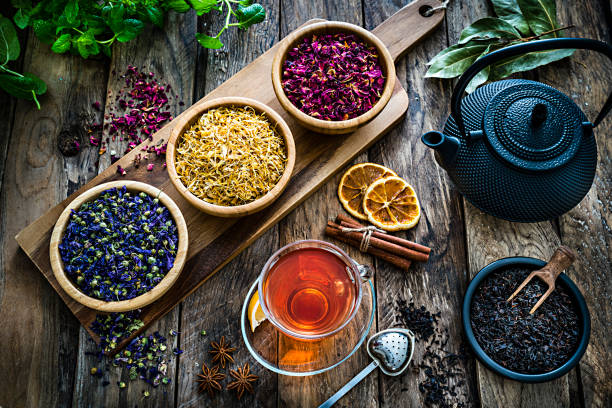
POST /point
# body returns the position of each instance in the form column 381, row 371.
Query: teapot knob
column 538, row 115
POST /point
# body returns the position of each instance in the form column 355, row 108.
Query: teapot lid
column 533, row 126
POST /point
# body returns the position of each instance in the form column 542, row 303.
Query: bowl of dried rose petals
column 119, row 246
column 332, row 76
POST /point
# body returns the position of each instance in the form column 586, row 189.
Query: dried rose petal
column 333, row 77
column 138, row 110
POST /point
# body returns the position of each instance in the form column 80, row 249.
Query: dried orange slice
column 391, row 204
column 354, row 184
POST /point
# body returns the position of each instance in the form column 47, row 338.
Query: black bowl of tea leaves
column 512, row 342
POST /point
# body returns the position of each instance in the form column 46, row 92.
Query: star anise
column 243, row 380
column 221, row 352
column 209, row 380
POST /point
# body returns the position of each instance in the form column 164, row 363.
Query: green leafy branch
column 246, row 14
column 24, row 86
column 90, row 27
column 517, row 21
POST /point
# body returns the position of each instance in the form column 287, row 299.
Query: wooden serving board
column 213, row 242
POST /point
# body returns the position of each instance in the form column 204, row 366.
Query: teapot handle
column 514, row 50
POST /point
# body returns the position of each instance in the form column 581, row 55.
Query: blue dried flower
column 120, row 245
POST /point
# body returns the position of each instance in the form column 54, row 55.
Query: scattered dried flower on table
column 135, row 113
column 210, row 380
column 221, row 352
column 231, row 156
column 112, row 328
column 144, row 358
column 333, row 76
column 243, row 380
column 120, row 245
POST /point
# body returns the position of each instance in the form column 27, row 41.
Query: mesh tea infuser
column 517, row 149
column 390, row 349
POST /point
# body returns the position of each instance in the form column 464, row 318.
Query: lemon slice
column 256, row 314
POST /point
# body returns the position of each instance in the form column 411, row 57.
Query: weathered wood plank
column 489, row 239
column 216, row 306
column 169, row 53
column 307, row 222
column 586, row 228
column 440, row 283
column 38, row 330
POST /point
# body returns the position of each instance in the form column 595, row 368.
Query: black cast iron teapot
column 518, row 149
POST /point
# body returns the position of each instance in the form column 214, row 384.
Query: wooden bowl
column 191, row 116
column 57, row 265
column 332, row 27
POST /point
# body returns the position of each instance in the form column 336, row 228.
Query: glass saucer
column 290, row 356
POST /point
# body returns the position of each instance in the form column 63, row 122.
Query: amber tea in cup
column 310, row 289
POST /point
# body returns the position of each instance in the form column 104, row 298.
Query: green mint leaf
column 541, row 15
column 115, row 18
column 62, row 44
column 156, row 16
column 209, row 42
column 24, row 87
column 87, row 45
column 481, row 77
column 489, row 28
column 71, row 11
column 245, row 3
column 96, row 24
column 203, row 6
column 131, row 29
column 9, row 43
column 39, row 86
column 509, row 11
column 180, row 6
column 62, row 23
column 21, row 19
column 453, row 63
column 106, row 50
column 44, row 30
column 527, row 62
column 253, row 14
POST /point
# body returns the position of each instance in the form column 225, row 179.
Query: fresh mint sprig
column 24, row 86
column 90, row 27
column 246, row 14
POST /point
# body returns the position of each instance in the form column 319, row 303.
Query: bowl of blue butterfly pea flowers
column 119, row 246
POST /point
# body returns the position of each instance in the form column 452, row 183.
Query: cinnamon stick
column 385, row 256
column 343, row 219
column 386, row 246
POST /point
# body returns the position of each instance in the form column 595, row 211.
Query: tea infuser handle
column 519, row 49
column 562, row 259
column 354, row 381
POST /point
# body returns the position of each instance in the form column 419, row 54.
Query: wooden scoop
column 560, row 261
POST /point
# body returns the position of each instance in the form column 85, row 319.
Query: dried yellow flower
column 231, row 156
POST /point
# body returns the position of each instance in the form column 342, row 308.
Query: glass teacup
column 311, row 289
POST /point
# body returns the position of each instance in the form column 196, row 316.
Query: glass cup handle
column 366, row 272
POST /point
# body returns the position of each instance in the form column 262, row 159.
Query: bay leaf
column 449, row 64
column 509, row 11
column 541, row 15
column 527, row 62
column 481, row 77
column 489, row 28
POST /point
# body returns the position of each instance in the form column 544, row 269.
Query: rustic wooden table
column 44, row 361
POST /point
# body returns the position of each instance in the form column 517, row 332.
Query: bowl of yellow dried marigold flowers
column 231, row 156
